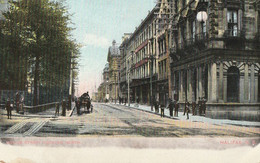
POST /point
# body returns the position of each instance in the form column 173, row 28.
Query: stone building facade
column 123, row 93
column 103, row 89
column 218, row 59
column 114, row 59
column 138, row 49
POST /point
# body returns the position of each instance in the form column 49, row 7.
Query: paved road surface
column 119, row 121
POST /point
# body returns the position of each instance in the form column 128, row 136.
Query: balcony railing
column 234, row 34
column 198, row 39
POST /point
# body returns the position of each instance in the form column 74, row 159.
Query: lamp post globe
column 202, row 16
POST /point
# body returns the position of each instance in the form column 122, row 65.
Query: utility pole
column 151, row 77
column 115, row 88
column 118, row 85
column 128, row 87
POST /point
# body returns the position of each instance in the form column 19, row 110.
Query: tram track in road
column 25, row 128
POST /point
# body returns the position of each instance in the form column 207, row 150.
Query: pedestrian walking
column 186, row 104
column 9, row 109
column 170, row 106
column 162, row 110
column 21, row 104
column 200, row 106
column 78, row 106
column 193, row 108
column 176, row 108
column 57, row 111
column 69, row 103
column 187, row 108
column 63, row 105
column 204, row 106
column 156, row 106
column 17, row 101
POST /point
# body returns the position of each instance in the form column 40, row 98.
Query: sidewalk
column 50, row 113
column 193, row 118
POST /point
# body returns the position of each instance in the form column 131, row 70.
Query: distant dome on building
column 114, row 49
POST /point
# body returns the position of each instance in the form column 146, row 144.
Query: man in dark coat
column 63, row 105
column 156, row 106
column 57, row 109
column 170, row 106
column 193, row 108
column 137, row 100
column 187, row 106
column 162, row 110
column 176, row 108
column 8, row 108
column 78, row 106
column 17, row 100
column 69, row 102
column 204, row 106
column 200, row 106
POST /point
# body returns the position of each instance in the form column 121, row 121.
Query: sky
column 97, row 23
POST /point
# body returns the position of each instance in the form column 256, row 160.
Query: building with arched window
column 218, row 59
column 114, row 59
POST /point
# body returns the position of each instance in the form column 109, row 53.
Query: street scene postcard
column 129, row 81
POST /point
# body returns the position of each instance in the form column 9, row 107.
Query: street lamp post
column 118, row 79
column 151, row 77
column 128, row 88
column 202, row 17
column 106, row 91
column 115, row 89
column 129, row 68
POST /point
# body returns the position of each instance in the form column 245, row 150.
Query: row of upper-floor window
column 147, row 33
column 141, row 72
column 163, row 72
column 162, row 47
column 194, row 28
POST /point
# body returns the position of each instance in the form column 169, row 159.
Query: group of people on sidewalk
column 175, row 105
column 17, row 104
column 66, row 105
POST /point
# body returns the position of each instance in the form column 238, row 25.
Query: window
column 193, row 30
column 183, row 33
column 232, row 19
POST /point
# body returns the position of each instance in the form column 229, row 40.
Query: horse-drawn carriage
column 85, row 101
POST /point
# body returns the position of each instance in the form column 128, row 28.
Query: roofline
column 151, row 13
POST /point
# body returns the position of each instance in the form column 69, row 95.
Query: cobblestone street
column 119, row 121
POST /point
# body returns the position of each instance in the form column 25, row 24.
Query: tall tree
column 41, row 28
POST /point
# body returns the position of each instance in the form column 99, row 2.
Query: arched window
column 233, row 84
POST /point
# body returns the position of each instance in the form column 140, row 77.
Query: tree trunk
column 36, row 82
